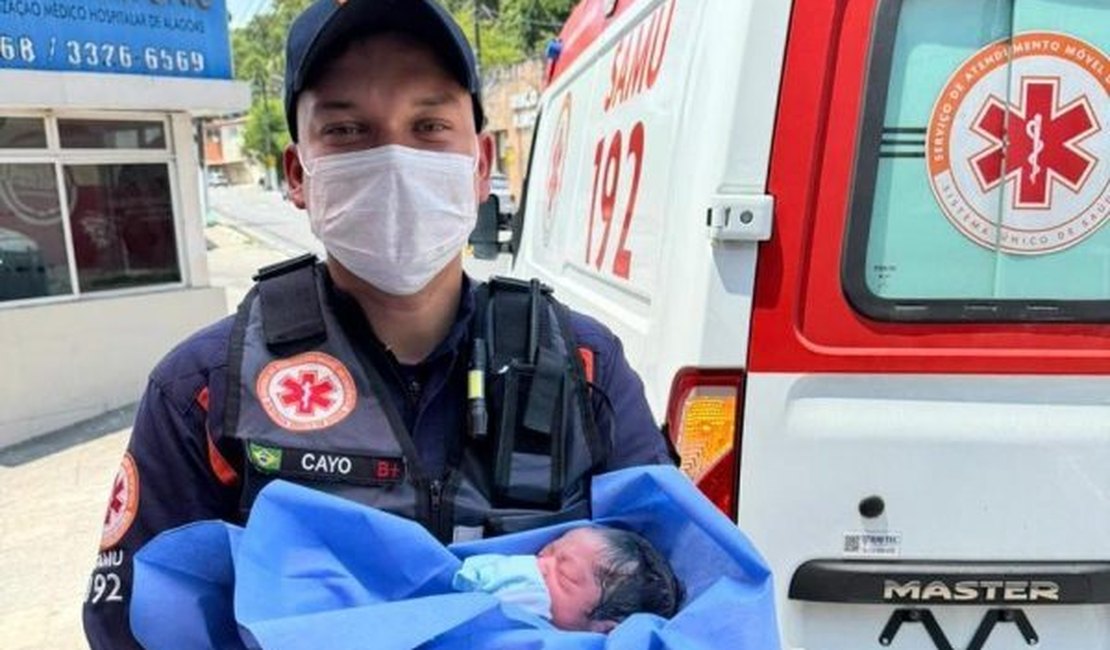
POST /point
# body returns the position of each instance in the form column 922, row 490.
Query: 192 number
column 104, row 587
column 607, row 175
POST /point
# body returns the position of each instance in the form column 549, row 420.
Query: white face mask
column 392, row 215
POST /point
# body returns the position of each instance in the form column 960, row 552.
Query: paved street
column 53, row 489
column 52, row 494
column 269, row 218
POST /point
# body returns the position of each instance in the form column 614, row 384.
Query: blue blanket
column 315, row 571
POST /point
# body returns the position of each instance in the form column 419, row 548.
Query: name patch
column 320, row 465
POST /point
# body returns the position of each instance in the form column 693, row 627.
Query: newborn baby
column 590, row 579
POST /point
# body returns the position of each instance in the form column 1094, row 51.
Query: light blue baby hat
column 514, row 579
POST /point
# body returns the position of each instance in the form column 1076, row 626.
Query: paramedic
column 352, row 375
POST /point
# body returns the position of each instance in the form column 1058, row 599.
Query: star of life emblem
column 306, row 392
column 556, row 168
column 1018, row 153
column 123, row 504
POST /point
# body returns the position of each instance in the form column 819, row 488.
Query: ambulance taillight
column 703, row 419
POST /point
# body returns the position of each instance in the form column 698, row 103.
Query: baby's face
column 569, row 566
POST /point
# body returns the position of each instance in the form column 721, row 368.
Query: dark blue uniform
column 180, row 469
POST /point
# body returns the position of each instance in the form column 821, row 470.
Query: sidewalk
column 53, row 491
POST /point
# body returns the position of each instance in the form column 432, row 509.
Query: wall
column 231, row 136
column 79, row 90
column 509, row 96
column 71, row 361
column 223, row 150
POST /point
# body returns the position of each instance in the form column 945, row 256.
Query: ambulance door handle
column 740, row 217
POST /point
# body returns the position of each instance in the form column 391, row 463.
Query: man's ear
column 294, row 175
column 486, row 146
column 604, row 627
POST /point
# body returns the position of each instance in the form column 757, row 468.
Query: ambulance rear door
column 926, row 440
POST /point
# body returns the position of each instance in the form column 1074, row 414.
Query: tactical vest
column 309, row 406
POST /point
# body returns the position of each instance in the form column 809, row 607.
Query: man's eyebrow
column 335, row 105
column 438, row 99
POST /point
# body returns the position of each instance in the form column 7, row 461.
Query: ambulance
column 857, row 250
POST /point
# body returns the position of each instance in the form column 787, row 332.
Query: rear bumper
column 907, row 582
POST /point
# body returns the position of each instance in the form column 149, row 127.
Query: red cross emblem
column 123, row 504
column 555, row 171
column 115, row 502
column 306, row 392
column 1035, row 144
column 555, row 174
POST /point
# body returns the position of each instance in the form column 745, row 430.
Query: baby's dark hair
column 634, row 577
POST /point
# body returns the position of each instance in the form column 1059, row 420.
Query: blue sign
column 175, row 38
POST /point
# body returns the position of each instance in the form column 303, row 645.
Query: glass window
column 111, row 134
column 33, row 261
column 22, row 133
column 122, row 225
column 983, row 174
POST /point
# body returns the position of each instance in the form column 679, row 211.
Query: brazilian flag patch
column 266, row 459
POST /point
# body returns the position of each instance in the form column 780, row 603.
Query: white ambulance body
column 856, row 250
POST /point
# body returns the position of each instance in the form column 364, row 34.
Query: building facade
column 102, row 251
column 224, row 158
column 510, row 98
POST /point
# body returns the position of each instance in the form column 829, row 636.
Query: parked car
column 217, row 178
column 499, row 189
column 506, row 207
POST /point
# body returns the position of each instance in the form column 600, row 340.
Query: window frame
column 26, row 114
column 853, row 267
column 59, row 158
column 129, row 118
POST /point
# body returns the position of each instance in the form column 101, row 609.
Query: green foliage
column 499, row 46
column 259, row 54
column 511, row 30
column 265, row 136
column 536, row 21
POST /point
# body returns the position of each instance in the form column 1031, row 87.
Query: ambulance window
column 983, row 176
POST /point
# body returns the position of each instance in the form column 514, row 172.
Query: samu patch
column 306, row 392
column 123, row 504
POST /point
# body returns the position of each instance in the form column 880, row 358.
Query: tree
column 259, row 51
column 536, row 21
column 500, row 46
column 265, row 136
column 511, row 30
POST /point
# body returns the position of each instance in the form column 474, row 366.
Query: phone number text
column 106, row 56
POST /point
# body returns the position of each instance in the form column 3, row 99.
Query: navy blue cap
column 327, row 25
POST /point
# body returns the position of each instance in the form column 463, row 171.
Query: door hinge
column 740, row 217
